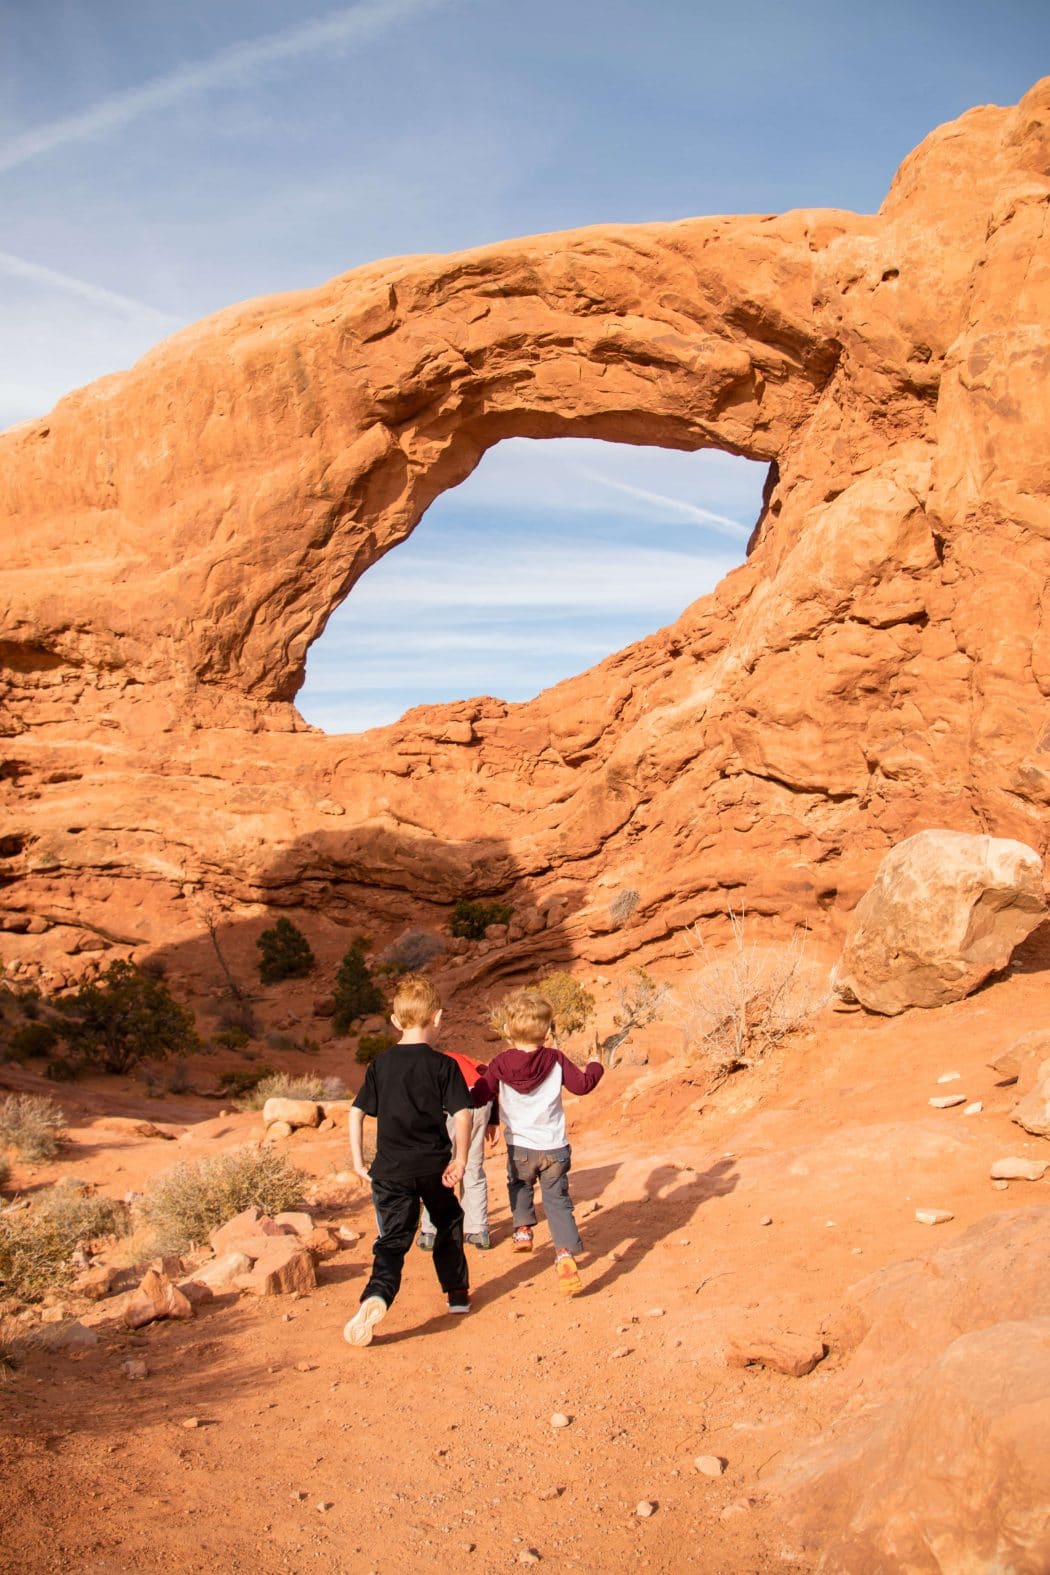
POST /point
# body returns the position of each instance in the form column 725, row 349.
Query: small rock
column 739, row 1506
column 528, row 1556
column 710, row 1465
column 223, row 1271
column 645, row 1508
column 654, row 1312
column 300, row 1496
column 767, row 1219
column 1001, row 1186
column 134, row 1367
column 279, row 1129
column 791, row 1354
column 559, row 1419
column 946, row 1101
column 933, row 1216
column 550, row 1492
column 974, row 1109
column 347, row 1236
column 156, row 1297
column 191, row 1421
column 949, row 1077
column 621, row 1350
column 1018, row 1169
column 324, row 1505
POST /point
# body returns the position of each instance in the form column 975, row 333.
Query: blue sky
column 158, row 162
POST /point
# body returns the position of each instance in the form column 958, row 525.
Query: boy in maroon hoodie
column 528, row 1079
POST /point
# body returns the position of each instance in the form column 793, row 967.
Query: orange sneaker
column 569, row 1282
column 521, row 1241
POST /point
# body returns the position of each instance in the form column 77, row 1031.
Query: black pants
column 397, row 1205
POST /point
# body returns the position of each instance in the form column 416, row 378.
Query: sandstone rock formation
column 180, row 533
column 944, row 1466
column 945, row 911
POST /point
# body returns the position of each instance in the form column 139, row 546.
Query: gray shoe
column 480, row 1239
column 425, row 1241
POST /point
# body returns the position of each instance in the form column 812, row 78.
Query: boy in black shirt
column 410, row 1089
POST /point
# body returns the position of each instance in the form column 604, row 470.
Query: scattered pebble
column 1001, row 1186
column 346, row 1234
column 654, row 1312
column 739, row 1506
column 559, row 1419
column 856, row 1251
column 324, row 1505
column 710, row 1465
column 949, row 1077
column 767, row 1219
column 306, row 1367
column 683, row 1241
column 550, row 1492
column 974, row 1109
column 1018, row 1169
column 528, row 1556
column 946, row 1101
column 645, row 1509
column 621, row 1350
column 933, row 1216
column 300, row 1496
column 134, row 1367
column 192, row 1421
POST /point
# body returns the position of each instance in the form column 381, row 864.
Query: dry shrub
column 640, row 1001
column 188, row 1201
column 623, row 905
column 30, row 1123
column 741, row 1004
column 5, row 1171
column 571, row 1003
column 288, row 1085
column 37, row 1243
column 412, row 951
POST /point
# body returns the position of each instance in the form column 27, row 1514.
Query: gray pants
column 475, row 1190
column 526, row 1166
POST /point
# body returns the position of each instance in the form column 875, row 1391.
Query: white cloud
column 97, row 295
column 238, row 63
column 692, row 511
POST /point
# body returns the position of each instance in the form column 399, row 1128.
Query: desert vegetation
column 127, row 1016
column 356, row 992
column 471, row 919
column 289, row 1085
column 187, row 1201
column 738, row 1005
column 37, row 1243
column 284, row 953
column 30, row 1124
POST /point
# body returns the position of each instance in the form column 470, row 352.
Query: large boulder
column 1032, row 1110
column 946, row 910
column 939, row 1462
column 294, row 1112
column 155, row 1298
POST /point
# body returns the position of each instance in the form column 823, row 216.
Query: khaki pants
column 475, row 1189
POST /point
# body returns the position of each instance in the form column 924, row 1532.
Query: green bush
column 30, row 1123
column 241, row 1080
column 60, row 1069
column 356, row 992
column 36, row 1244
column 232, row 1038
column 285, row 953
column 126, row 1017
column 31, row 1039
column 191, row 1199
column 371, row 1045
column 287, row 1085
column 470, row 920
column 572, row 1005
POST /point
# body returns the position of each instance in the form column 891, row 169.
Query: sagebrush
column 640, row 1001
column 412, row 951
column 371, row 1045
column 289, row 1085
column 30, row 1123
column 740, row 1004
column 191, row 1199
column 471, row 919
column 37, row 1243
column 572, row 1004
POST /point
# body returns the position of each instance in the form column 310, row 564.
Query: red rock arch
column 178, row 536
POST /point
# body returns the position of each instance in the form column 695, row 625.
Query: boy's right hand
column 362, row 1171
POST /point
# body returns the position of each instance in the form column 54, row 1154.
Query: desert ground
column 766, row 1209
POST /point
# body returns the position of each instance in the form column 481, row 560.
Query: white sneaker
column 361, row 1327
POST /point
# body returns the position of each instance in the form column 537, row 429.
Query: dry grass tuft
column 289, row 1085
column 37, row 1243
column 188, row 1201
column 30, row 1123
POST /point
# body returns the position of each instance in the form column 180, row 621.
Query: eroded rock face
column 945, row 911
column 177, row 535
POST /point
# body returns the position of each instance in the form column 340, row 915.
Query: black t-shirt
column 410, row 1089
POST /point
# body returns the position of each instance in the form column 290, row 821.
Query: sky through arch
column 551, row 556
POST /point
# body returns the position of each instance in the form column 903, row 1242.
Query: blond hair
column 525, row 1017
column 415, row 1001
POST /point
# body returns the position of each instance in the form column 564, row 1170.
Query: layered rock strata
column 178, row 535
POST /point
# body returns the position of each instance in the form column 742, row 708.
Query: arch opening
column 552, row 555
